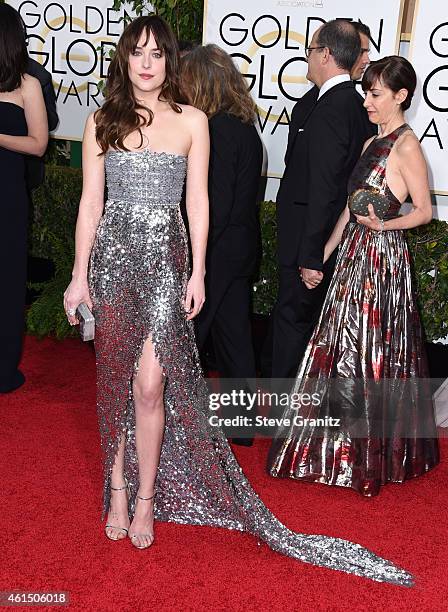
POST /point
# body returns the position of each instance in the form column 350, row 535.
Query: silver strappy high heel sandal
column 108, row 525
column 142, row 535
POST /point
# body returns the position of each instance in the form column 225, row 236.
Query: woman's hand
column 195, row 297
column 76, row 293
column 371, row 221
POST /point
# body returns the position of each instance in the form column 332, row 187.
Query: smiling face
column 146, row 68
column 382, row 104
column 363, row 60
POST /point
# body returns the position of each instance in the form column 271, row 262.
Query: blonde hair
column 211, row 82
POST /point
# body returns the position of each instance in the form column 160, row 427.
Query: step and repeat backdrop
column 72, row 39
column 429, row 115
column 267, row 38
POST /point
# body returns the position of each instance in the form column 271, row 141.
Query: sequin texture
column 138, row 275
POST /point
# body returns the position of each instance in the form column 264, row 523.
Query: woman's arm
column 413, row 170
column 197, row 207
column 344, row 217
column 45, row 79
column 336, row 234
column 92, row 199
column 90, row 210
column 36, row 119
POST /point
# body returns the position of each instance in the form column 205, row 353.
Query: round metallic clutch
column 360, row 199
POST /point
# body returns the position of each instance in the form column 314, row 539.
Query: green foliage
column 429, row 248
column 46, row 315
column 265, row 289
column 55, row 207
column 58, row 152
column 184, row 16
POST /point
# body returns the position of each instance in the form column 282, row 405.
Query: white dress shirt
column 339, row 78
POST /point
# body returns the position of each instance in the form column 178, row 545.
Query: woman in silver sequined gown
column 139, row 273
column 366, row 358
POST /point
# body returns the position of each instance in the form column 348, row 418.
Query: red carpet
column 52, row 538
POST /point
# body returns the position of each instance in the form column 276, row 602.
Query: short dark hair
column 394, row 72
column 13, row 52
column 342, row 38
column 361, row 28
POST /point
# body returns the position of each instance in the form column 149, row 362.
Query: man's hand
column 311, row 278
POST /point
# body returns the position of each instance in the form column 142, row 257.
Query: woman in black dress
column 23, row 131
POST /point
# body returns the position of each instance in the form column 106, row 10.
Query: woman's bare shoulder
column 90, row 129
column 192, row 114
column 91, row 119
column 29, row 84
column 408, row 145
column 31, row 93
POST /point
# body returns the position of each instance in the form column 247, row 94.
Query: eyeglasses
column 309, row 49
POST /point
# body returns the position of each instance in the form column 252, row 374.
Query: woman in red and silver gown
column 162, row 458
column 366, row 358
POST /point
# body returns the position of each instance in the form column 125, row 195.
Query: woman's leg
column 118, row 518
column 148, row 387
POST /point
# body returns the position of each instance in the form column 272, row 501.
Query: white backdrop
column 267, row 39
column 72, row 40
column 429, row 112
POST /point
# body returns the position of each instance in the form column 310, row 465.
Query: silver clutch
column 86, row 322
column 361, row 198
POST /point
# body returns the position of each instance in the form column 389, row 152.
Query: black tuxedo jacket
column 300, row 112
column 236, row 156
column 325, row 141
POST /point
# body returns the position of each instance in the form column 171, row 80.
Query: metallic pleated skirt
column 373, row 418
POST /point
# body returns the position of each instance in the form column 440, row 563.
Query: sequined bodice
column 370, row 170
column 155, row 179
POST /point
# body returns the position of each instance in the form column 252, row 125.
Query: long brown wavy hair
column 211, row 82
column 119, row 116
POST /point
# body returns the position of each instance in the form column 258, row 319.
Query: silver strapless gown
column 138, row 275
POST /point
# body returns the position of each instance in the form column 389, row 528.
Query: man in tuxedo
column 306, row 102
column 328, row 130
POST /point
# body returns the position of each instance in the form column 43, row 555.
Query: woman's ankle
column 146, row 493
